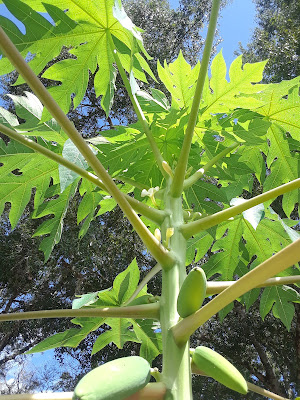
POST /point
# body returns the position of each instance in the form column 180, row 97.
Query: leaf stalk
column 216, row 287
column 137, row 108
column 195, row 227
column 177, row 184
column 149, row 311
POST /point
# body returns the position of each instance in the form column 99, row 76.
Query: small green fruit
column 220, row 369
column 115, row 380
column 192, row 292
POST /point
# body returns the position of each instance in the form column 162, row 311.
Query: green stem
column 176, row 373
column 285, row 258
column 144, row 282
column 155, row 248
column 177, row 186
column 198, row 174
column 152, row 214
column 140, row 311
column 263, row 392
column 193, row 228
column 215, row 287
column 137, row 108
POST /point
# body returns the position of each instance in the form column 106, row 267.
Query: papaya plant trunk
column 176, row 359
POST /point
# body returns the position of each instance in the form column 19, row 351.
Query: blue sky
column 236, row 23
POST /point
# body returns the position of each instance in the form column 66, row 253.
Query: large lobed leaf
column 122, row 329
column 83, row 27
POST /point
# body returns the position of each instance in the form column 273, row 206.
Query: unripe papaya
column 192, row 292
column 115, row 380
column 220, row 369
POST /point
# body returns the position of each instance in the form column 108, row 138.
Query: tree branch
column 195, row 227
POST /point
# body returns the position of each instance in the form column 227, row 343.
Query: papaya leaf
column 269, row 238
column 53, row 227
column 150, row 337
column 284, row 166
column 180, row 80
column 69, row 338
column 123, row 287
column 84, row 29
column 71, row 153
column 227, row 250
column 120, row 333
column 282, row 105
column 254, row 215
column 279, row 299
column 88, row 205
column 23, row 170
column 30, row 109
column 154, row 103
column 220, row 96
column 205, row 197
column 8, row 119
column 225, row 311
column 200, row 244
column 85, row 300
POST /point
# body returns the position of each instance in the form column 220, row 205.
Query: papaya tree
column 196, row 175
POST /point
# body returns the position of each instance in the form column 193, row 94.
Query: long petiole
column 139, row 311
column 195, row 227
column 177, row 183
column 155, row 270
column 251, row 386
column 152, row 214
column 285, row 258
column 198, row 174
column 137, row 108
column 215, row 287
column 264, row 392
column 155, row 248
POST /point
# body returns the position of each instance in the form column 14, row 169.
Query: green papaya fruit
column 220, row 369
column 192, row 292
column 115, row 380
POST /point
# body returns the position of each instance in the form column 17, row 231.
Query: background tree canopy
column 276, row 38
